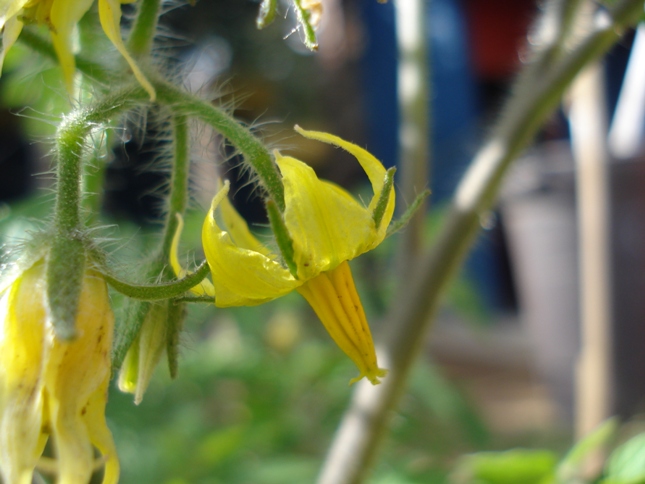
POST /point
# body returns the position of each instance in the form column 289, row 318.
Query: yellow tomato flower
column 53, row 388
column 327, row 227
column 61, row 17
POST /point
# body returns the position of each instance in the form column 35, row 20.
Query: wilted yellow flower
column 327, row 227
column 53, row 388
column 61, row 17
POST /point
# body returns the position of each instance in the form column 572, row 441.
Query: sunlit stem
column 144, row 29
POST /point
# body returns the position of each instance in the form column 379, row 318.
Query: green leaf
column 518, row 466
column 626, row 465
column 128, row 328
column 569, row 467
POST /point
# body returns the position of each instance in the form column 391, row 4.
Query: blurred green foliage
column 259, row 394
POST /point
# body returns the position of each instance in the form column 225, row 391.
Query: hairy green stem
column 158, row 292
column 70, row 143
column 93, row 179
column 181, row 102
column 255, row 153
column 367, row 418
column 66, row 258
column 144, row 29
column 179, row 178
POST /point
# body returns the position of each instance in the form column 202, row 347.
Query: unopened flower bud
column 145, row 352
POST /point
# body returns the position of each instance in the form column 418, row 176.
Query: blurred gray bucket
column 539, row 212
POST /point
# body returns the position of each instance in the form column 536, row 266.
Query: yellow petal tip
column 373, row 376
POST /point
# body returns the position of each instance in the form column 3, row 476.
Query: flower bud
column 145, row 352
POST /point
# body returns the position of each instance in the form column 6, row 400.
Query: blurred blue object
column 454, row 111
column 453, row 101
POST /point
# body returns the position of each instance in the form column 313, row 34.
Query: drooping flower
column 54, row 389
column 61, row 17
column 327, row 227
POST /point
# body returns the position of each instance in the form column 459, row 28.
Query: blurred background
column 260, row 391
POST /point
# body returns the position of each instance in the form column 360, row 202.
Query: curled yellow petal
column 238, row 229
column 22, row 343
column 204, row 288
column 12, row 28
column 76, row 376
column 373, row 168
column 333, row 297
column 327, row 225
column 9, row 9
column 63, row 16
column 241, row 276
column 110, row 17
column 55, row 389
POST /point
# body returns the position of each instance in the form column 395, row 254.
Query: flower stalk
column 144, row 28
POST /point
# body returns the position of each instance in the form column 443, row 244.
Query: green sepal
column 384, row 197
column 65, row 271
column 267, row 12
column 303, row 16
column 175, row 322
column 194, row 299
column 403, row 220
column 128, row 330
column 282, row 237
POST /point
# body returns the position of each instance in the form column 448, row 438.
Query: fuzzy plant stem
column 181, row 102
column 66, row 257
column 179, row 178
column 365, row 423
column 256, row 155
column 144, row 29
